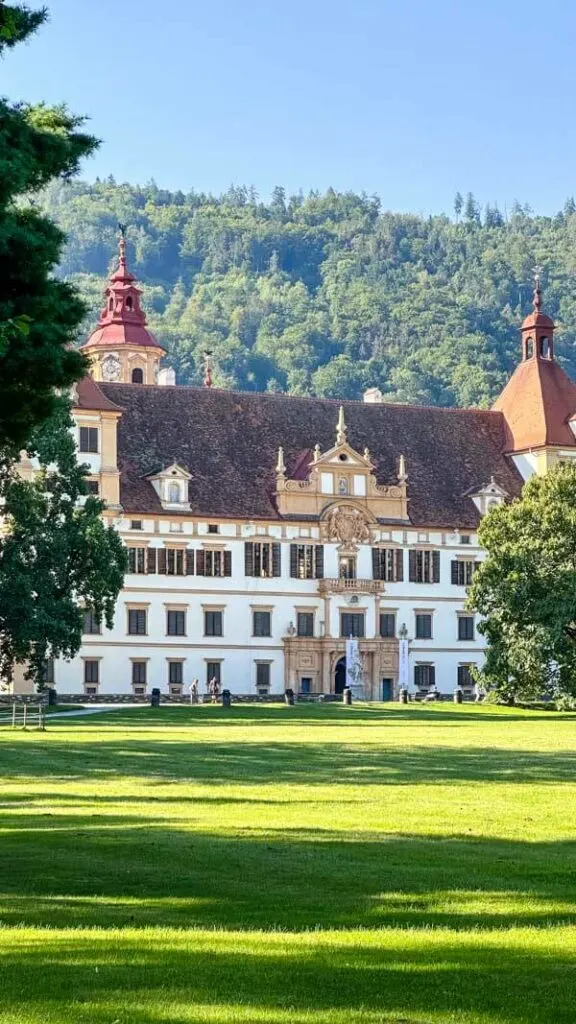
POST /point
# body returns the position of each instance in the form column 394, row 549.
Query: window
column 213, row 624
column 213, row 563
column 91, row 622
column 305, row 623
column 462, row 572
column 175, row 673
column 306, row 685
column 138, row 673
column 347, row 567
column 465, row 679
column 48, row 672
column 388, row 564
column 135, row 524
column 424, row 676
column 93, row 487
column 465, row 627
column 262, row 559
column 213, row 528
column 137, row 622
column 306, row 561
column 137, row 375
column 423, row 627
column 387, row 625
column 175, row 623
column 261, row 624
column 465, row 538
column 89, row 440
column 174, row 493
column 175, row 561
column 352, row 624
column 213, row 671
column 262, row 677
column 92, row 672
column 424, row 566
column 176, row 527
column 136, row 559
column 129, row 306
column 172, row 561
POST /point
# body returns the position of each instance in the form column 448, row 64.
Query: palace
column 263, row 530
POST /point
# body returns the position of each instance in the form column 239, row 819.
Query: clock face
column 111, row 368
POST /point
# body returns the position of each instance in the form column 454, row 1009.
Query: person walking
column 214, row 690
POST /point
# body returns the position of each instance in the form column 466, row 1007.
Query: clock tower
column 122, row 349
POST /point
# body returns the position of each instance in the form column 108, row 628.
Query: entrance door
column 387, row 689
column 340, row 676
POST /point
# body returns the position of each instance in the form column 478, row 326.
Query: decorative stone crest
column 347, row 526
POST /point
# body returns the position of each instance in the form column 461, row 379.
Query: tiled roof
column 89, row 396
column 229, row 443
column 537, row 402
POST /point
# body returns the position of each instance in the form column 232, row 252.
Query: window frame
column 422, row 634
column 86, row 440
column 256, row 614
column 213, row 622
column 176, row 617
column 355, row 619
column 309, row 617
column 137, row 612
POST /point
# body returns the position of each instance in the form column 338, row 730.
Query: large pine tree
column 39, row 314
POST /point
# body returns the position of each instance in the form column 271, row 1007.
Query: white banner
column 403, row 671
column 354, row 672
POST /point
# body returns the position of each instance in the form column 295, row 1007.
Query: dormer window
column 171, row 486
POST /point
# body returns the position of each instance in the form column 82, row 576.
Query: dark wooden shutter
column 294, row 561
column 162, row 560
column 151, row 560
column 189, row 561
column 200, row 563
column 436, row 567
column 399, row 565
column 454, row 571
column 227, row 563
column 276, row 563
column 432, row 670
column 249, row 559
column 319, row 561
column 412, row 566
column 376, row 572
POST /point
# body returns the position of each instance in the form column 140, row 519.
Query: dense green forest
column 327, row 294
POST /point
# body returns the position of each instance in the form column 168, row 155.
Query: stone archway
column 339, row 675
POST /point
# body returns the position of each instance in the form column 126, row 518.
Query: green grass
column 309, row 864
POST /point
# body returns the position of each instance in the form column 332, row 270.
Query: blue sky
column 412, row 100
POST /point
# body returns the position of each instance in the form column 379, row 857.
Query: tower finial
column 341, row 427
column 537, row 297
column 280, row 464
column 122, row 244
column 402, row 474
column 207, row 369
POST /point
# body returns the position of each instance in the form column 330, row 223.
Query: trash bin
column 226, row 698
column 458, row 695
column 155, row 698
column 289, row 697
column 346, row 695
column 52, row 697
column 404, row 696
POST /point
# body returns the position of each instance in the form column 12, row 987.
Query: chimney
column 373, row 396
column 166, row 377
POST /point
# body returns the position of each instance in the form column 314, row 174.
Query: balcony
column 346, row 586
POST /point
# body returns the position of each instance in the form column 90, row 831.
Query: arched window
column 129, row 302
column 544, row 348
column 137, row 376
column 110, row 303
column 173, row 493
column 529, row 348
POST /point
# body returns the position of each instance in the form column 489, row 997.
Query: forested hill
column 328, row 294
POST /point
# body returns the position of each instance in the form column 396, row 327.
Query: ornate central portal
column 320, row 663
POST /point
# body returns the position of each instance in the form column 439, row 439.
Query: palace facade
column 263, row 530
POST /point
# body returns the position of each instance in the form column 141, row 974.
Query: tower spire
column 341, row 427
column 207, row 369
column 537, row 328
column 537, row 297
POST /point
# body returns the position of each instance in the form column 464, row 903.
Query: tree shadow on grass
column 335, row 764
column 87, row 870
column 174, row 977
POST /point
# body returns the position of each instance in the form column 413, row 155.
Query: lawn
column 292, row 865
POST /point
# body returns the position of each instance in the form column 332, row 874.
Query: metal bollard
column 403, row 696
column 346, row 695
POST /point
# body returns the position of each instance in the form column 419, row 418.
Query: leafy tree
column 37, row 144
column 525, row 591
column 458, row 205
column 56, row 554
